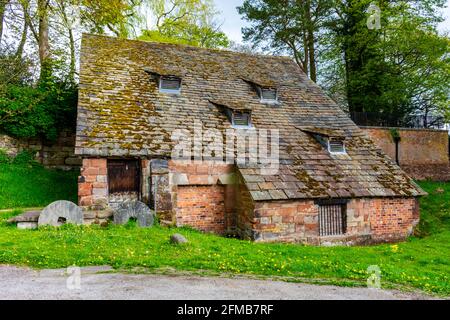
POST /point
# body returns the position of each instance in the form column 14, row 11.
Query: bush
column 25, row 157
column 27, row 112
column 4, row 157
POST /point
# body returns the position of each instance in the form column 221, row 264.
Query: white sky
column 232, row 22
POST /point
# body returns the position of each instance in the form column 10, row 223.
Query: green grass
column 421, row 262
column 23, row 186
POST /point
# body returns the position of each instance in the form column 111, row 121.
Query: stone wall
column 52, row 154
column 423, row 153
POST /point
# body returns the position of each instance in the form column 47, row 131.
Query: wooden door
column 123, row 176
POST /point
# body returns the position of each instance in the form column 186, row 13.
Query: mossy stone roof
column 122, row 113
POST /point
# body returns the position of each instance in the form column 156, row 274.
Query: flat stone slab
column 27, row 225
column 29, row 216
column 59, row 213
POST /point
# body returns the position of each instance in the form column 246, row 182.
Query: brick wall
column 417, row 146
column 201, row 207
column 393, row 219
column 93, row 183
column 423, row 153
column 368, row 220
column 52, row 154
column 202, row 195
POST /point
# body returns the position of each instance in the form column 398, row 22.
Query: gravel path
column 24, row 283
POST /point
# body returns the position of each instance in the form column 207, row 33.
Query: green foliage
column 4, row 157
column 185, row 22
column 435, row 209
column 37, row 111
column 25, row 157
column 27, row 185
column 399, row 69
column 395, row 134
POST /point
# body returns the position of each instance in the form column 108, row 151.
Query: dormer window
column 268, row 95
column 336, row 146
column 241, row 119
column 170, row 84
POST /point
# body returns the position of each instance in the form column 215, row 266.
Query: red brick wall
column 417, row 146
column 201, row 207
column 393, row 219
column 93, row 182
column 375, row 220
column 199, row 199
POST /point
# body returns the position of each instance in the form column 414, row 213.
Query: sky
column 232, row 23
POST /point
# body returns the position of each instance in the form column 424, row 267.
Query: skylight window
column 268, row 95
column 170, row 84
column 241, row 119
column 336, row 146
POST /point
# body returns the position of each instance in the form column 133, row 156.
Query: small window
column 168, row 84
column 332, row 218
column 269, row 95
column 241, row 119
column 336, row 146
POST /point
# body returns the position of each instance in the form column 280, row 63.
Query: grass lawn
column 24, row 186
column 422, row 262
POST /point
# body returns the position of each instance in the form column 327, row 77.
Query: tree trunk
column 309, row 31
column 3, row 4
column 72, row 69
column 43, row 41
column 23, row 39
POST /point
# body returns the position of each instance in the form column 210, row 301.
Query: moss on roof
column 122, row 113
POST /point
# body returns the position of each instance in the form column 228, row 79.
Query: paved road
column 24, row 283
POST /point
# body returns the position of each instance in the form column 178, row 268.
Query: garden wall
column 57, row 154
column 423, row 153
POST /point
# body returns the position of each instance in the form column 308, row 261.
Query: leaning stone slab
column 134, row 209
column 59, row 213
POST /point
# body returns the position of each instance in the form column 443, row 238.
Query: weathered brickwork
column 201, row 207
column 423, row 153
column 93, row 182
column 368, row 220
column 416, row 147
column 202, row 194
column 393, row 219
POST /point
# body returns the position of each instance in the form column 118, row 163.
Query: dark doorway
column 124, row 176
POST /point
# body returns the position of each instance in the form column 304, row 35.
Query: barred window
column 332, row 218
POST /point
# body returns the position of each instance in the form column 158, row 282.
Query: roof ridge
column 191, row 46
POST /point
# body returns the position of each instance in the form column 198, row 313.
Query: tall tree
column 287, row 25
column 3, row 4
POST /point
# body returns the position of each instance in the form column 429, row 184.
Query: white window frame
column 333, row 152
column 238, row 126
column 268, row 101
column 169, row 91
